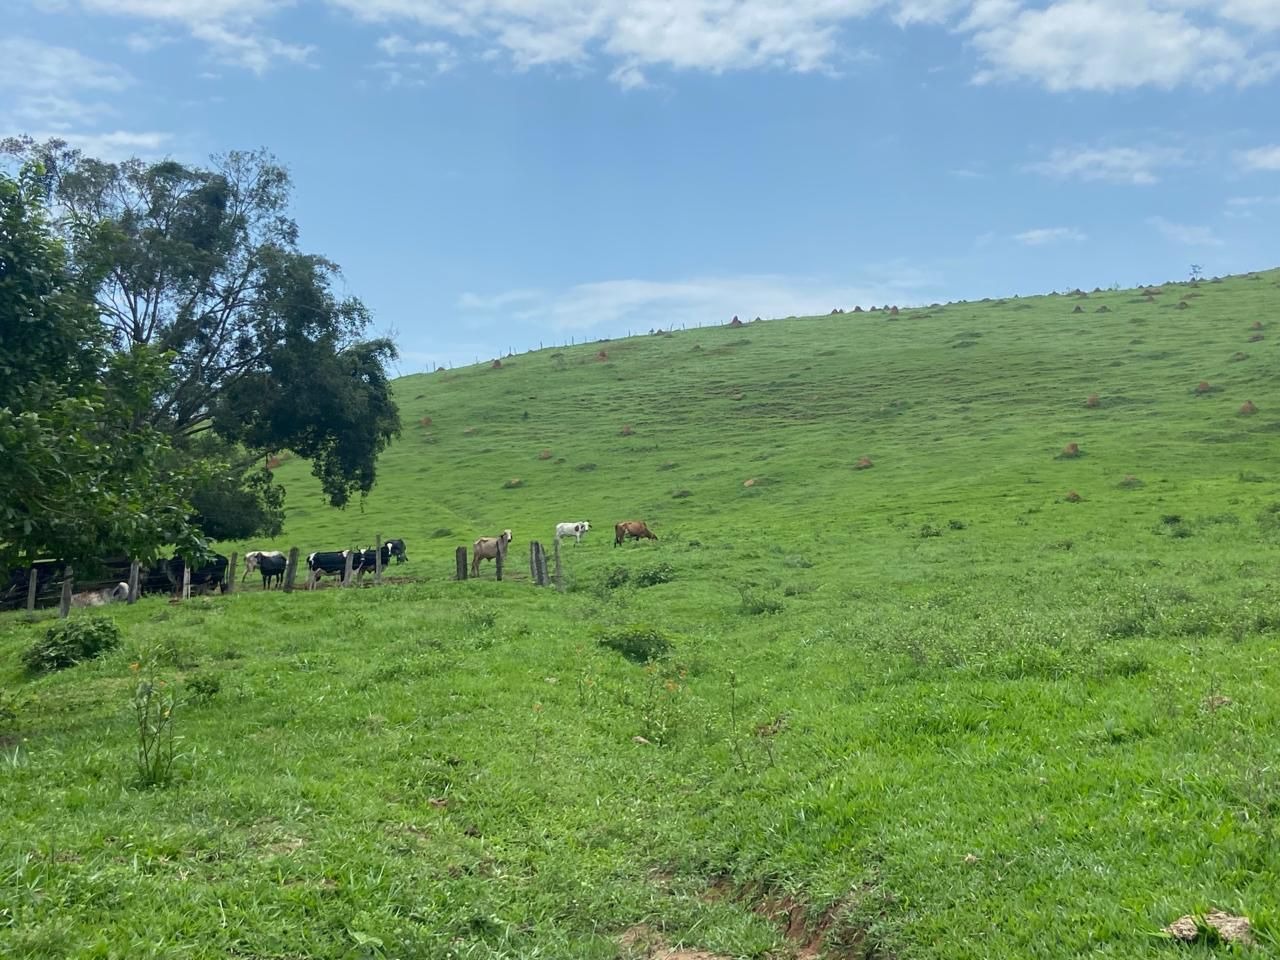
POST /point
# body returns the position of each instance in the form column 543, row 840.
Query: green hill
column 984, row 696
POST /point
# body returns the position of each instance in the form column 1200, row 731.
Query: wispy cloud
column 613, row 306
column 1041, row 236
column 1260, row 158
column 1134, row 165
column 1192, row 236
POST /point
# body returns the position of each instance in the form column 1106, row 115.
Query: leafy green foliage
column 652, row 576
column 201, row 265
column 638, row 642
column 155, row 707
column 69, row 642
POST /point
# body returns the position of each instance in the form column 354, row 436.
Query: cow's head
column 506, row 536
column 585, row 525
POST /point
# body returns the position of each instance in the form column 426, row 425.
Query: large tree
column 82, row 477
column 203, row 264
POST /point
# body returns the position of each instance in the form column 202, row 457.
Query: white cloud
column 1104, row 45
column 114, row 144
column 256, row 52
column 412, row 56
column 1261, row 158
column 1192, row 236
column 29, row 66
column 1133, row 165
column 1044, row 235
column 613, row 306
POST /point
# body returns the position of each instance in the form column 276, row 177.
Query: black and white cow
column 397, row 551
column 211, row 574
column 367, row 560
column 331, row 563
column 270, row 563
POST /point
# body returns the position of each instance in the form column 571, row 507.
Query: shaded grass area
column 930, row 708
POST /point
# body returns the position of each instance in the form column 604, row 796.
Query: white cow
column 575, row 530
column 489, row 548
column 97, row 598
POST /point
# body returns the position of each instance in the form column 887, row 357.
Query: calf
column 332, row 563
column 489, row 548
column 98, row 598
column 270, row 563
column 635, row 529
column 575, row 530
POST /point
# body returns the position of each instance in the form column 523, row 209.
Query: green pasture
column 979, row 699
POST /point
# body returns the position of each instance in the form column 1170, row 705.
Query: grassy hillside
column 932, row 708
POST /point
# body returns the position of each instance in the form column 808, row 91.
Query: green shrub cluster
column 69, row 642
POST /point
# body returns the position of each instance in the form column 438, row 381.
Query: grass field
column 979, row 699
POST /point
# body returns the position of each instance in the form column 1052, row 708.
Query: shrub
column 1256, row 338
column 1238, row 356
column 1130, row 482
column 864, row 463
column 667, row 465
column 617, row 577
column 928, row 530
column 69, row 642
column 681, row 494
column 1092, row 401
column 662, row 573
column 203, row 687
column 425, row 422
column 639, row 643
column 8, row 712
column 626, row 430
column 585, row 467
column 756, row 604
column 154, row 706
column 1072, row 497
column 1247, row 408
column 1203, row 387
column 1070, row 452
column 956, row 524
column 544, row 455
column 513, row 483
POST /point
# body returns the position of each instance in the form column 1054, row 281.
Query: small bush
column 585, row 467
column 1072, row 497
column 928, row 530
column 69, row 642
column 1093, row 401
column 668, row 465
column 626, row 430
column 1130, row 482
column 1070, row 452
column 1238, row 356
column 758, row 604
column 442, row 532
column 1203, row 387
column 513, row 484
column 681, row 494
column 864, row 463
column 1256, row 338
column 798, row 561
column 545, row 454
column 662, row 573
column 617, row 577
column 203, row 687
column 1247, row 409
column 956, row 524
column 8, row 712
column 639, row 643
column 154, row 707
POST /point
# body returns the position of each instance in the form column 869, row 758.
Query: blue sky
column 496, row 174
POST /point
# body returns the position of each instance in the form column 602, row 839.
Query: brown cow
column 631, row 528
column 487, row 548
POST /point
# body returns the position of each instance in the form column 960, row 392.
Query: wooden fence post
column 377, row 558
column 559, row 575
column 346, row 570
column 32, row 583
column 501, row 555
column 539, row 563
column 135, row 574
column 533, row 562
column 291, row 570
column 460, row 558
column 231, row 573
column 186, row 580
column 68, row 579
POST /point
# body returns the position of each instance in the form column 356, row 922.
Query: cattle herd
column 166, row 576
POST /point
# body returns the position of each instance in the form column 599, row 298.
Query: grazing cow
column 487, row 548
column 367, row 560
column 397, row 551
column 331, row 562
column 575, row 530
column 631, row 528
column 270, row 563
column 98, row 598
column 208, row 575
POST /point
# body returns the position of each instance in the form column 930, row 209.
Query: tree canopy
column 202, row 265
column 83, row 476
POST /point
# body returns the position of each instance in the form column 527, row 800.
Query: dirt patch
column 644, row 941
column 1092, row 401
column 864, row 463
column 1248, row 409
column 810, row 934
